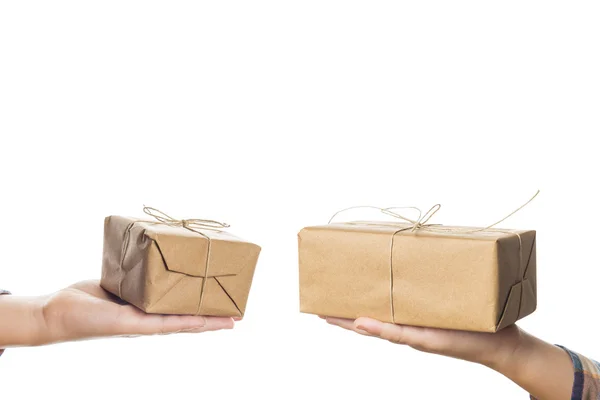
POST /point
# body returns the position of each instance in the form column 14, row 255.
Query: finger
column 134, row 321
column 346, row 324
column 341, row 322
column 400, row 334
column 213, row 324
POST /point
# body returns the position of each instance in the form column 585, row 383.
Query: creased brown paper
column 438, row 276
column 167, row 269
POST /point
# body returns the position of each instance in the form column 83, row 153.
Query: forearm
column 20, row 319
column 543, row 370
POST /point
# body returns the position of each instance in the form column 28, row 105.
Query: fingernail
column 362, row 331
column 229, row 324
column 222, row 326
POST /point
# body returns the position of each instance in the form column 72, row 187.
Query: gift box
column 434, row 276
column 177, row 267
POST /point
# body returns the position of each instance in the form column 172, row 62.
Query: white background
column 271, row 116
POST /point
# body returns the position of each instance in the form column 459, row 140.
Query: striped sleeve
column 586, row 383
column 1, row 293
column 587, row 377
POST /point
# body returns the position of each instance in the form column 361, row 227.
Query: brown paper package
column 165, row 269
column 438, row 276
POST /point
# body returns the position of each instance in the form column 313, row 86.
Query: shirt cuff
column 1, row 293
column 586, row 381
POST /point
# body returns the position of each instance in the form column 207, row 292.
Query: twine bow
column 185, row 223
column 416, row 224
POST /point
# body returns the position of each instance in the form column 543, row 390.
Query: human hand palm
column 485, row 348
column 85, row 310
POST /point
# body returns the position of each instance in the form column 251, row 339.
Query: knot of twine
column 191, row 224
column 421, row 222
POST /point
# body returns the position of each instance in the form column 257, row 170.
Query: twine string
column 185, row 223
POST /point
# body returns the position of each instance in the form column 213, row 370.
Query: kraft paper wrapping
column 437, row 276
column 166, row 269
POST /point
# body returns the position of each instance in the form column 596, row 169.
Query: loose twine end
column 422, row 220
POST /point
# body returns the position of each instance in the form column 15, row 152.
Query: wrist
column 40, row 334
column 510, row 351
column 543, row 370
column 33, row 328
column 21, row 321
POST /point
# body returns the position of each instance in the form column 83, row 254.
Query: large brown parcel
column 437, row 276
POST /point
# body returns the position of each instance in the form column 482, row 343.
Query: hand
column 85, row 311
column 542, row 369
column 491, row 349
